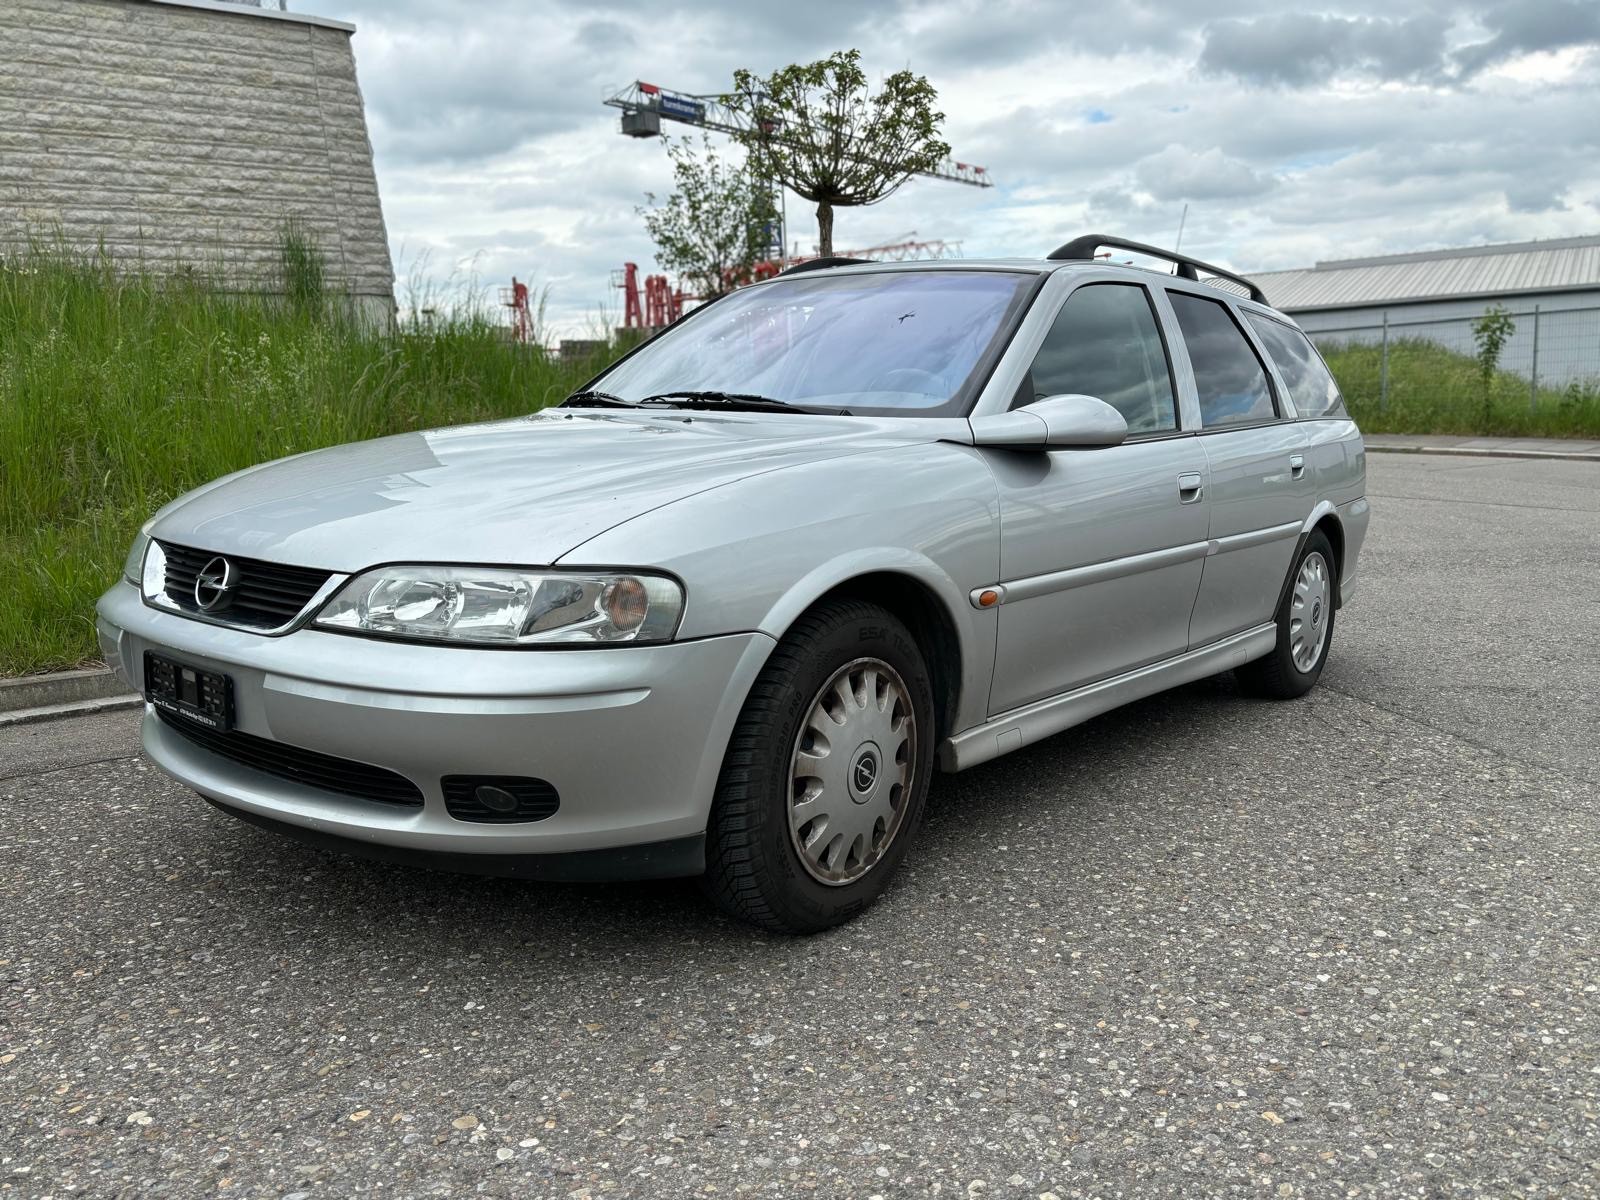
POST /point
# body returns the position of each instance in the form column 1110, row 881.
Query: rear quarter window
column 1231, row 380
column 1311, row 386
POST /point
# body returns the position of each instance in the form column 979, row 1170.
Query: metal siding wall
column 1569, row 330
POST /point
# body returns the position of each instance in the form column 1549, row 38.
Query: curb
column 1461, row 452
column 77, row 708
column 62, row 694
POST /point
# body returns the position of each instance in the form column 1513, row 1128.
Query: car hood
column 516, row 492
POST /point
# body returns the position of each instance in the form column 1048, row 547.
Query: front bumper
column 632, row 738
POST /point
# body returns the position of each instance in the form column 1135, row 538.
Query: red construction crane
column 657, row 305
column 645, row 105
column 515, row 298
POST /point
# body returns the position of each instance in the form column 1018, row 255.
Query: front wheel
column 826, row 772
column 1305, row 628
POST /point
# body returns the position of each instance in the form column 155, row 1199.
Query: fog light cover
column 499, row 799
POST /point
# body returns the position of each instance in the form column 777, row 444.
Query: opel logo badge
column 215, row 584
column 866, row 772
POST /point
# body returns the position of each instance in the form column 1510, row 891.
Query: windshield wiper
column 594, row 399
column 740, row 401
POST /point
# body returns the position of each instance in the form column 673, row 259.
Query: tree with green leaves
column 717, row 223
column 1491, row 332
column 818, row 129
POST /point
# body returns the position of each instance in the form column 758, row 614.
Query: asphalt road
column 1205, row 946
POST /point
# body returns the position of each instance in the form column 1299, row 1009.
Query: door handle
column 1190, row 487
column 1297, row 466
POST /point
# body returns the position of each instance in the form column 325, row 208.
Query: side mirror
column 1080, row 422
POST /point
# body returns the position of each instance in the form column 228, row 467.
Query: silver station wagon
column 723, row 611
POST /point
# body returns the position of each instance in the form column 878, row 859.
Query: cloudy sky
column 1293, row 132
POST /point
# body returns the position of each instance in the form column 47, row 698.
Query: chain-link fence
column 1548, row 358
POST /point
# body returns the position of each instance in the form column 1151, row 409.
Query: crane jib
column 681, row 107
column 645, row 105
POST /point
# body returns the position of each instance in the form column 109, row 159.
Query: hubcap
column 1308, row 613
column 851, row 771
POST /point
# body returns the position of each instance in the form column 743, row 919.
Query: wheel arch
column 919, row 594
column 930, row 623
column 1325, row 518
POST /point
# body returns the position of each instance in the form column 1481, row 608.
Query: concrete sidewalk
column 1435, row 443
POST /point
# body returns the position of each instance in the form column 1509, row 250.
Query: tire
column 1305, row 627
column 805, row 831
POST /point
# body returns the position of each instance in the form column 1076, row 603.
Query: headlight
column 498, row 607
column 133, row 565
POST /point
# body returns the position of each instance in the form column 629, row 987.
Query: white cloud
column 1178, row 173
column 1357, row 127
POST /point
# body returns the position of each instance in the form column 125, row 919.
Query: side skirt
column 1034, row 722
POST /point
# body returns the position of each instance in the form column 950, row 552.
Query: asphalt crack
column 89, row 762
column 1485, row 747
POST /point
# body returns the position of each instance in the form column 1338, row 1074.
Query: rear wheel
column 826, row 773
column 1305, row 628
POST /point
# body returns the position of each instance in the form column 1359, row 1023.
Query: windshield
column 885, row 342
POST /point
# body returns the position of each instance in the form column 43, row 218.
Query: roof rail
column 819, row 264
column 1188, row 268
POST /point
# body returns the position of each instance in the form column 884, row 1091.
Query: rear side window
column 1105, row 343
column 1311, row 387
column 1231, row 380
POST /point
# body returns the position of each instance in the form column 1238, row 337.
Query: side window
column 1232, row 382
column 1311, row 387
column 1105, row 343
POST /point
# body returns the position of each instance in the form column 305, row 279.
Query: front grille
column 268, row 595
column 529, row 799
column 309, row 767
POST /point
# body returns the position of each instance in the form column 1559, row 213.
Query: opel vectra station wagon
column 725, row 610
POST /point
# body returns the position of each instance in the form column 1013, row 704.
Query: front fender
column 756, row 554
column 854, row 564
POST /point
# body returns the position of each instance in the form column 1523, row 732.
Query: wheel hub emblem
column 1316, row 613
column 864, row 774
column 215, row 584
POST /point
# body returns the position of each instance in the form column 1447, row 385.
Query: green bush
column 120, row 390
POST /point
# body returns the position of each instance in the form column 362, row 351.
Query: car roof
column 1038, row 266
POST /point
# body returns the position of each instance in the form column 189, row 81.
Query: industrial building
column 1550, row 288
column 186, row 134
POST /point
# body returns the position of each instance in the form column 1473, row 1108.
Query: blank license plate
column 205, row 697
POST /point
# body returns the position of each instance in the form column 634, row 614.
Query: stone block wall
column 185, row 133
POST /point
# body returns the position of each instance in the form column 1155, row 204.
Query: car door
column 1260, row 492
column 1100, row 549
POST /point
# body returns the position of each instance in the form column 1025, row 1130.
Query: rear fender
column 1324, row 508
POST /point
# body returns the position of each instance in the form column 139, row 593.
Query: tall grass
column 120, row 390
column 1436, row 390
column 302, row 269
